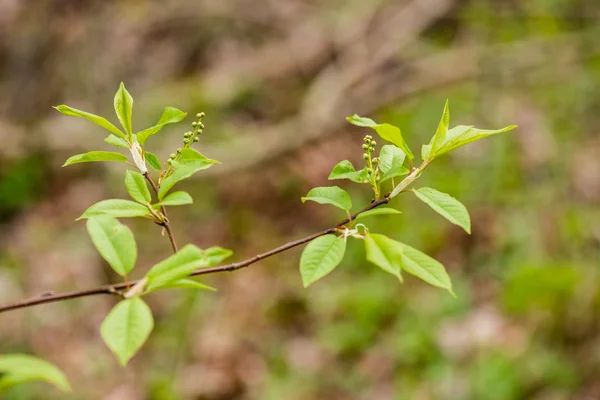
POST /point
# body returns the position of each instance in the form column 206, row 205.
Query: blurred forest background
column 276, row 79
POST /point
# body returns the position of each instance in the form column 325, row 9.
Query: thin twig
column 116, row 288
column 165, row 224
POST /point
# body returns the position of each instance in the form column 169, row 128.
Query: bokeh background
column 276, row 79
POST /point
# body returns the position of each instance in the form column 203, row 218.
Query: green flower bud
column 172, row 155
column 170, row 162
column 365, row 156
column 199, row 115
column 372, row 149
column 194, row 124
column 196, row 139
column 365, row 147
column 186, row 141
column 179, row 150
column 373, row 143
column 375, row 160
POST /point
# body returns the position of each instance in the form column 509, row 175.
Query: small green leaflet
column 320, row 257
column 184, row 284
column 153, row 161
column 176, row 267
column 124, row 107
column 345, row 170
column 459, row 136
column 136, row 187
column 103, row 122
column 445, row 205
column 116, row 141
column 126, row 328
column 215, row 255
column 387, row 132
column 92, row 156
column 21, row 368
column 117, row 208
column 114, row 241
column 170, row 115
column 330, row 195
column 422, row 266
column 175, row 199
column 385, row 253
column 190, row 162
column 377, row 211
column 442, row 130
column 391, row 159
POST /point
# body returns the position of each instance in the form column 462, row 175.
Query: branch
column 163, row 209
column 115, row 289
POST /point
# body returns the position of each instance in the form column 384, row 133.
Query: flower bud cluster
column 372, row 163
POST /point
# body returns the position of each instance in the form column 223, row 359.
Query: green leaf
column 184, row 284
column 95, row 156
column 117, row 208
column 116, row 141
column 320, row 257
column 103, row 122
column 175, row 199
column 176, row 267
column 183, row 170
column 330, row 195
column 215, row 255
column 21, row 368
column 136, row 187
column 445, row 205
column 459, row 136
column 126, row 328
column 345, row 170
column 377, row 211
column 153, row 161
column 391, row 159
column 170, row 115
column 422, row 266
column 385, row 253
column 387, row 132
column 114, row 241
column 123, row 107
column 440, row 134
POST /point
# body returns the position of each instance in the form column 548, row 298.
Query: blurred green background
column 276, row 79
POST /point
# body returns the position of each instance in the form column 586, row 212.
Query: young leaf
column 377, row 211
column 21, row 368
column 320, row 257
column 116, row 141
column 440, row 134
column 215, row 255
column 123, row 107
column 385, row 253
column 95, row 156
column 387, row 132
column 103, row 122
column 114, row 241
column 126, row 328
column 445, row 205
column 422, row 266
column 345, row 170
column 136, row 187
column 117, row 208
column 461, row 135
column 183, row 170
column 153, row 161
column 176, row 267
column 330, row 195
column 184, row 284
column 391, row 159
column 175, row 199
column 170, row 115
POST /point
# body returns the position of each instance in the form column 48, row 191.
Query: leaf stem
column 165, row 224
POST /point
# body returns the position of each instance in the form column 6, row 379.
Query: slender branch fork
column 163, row 209
column 115, row 289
